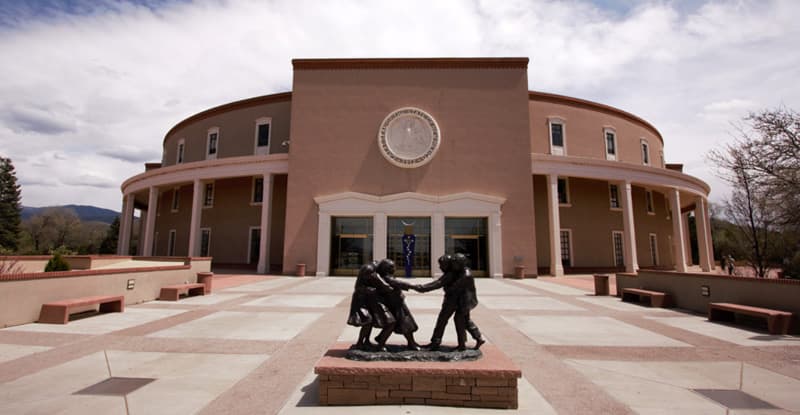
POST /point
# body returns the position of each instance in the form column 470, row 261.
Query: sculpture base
column 489, row 382
column 403, row 354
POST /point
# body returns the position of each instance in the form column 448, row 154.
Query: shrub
column 10, row 267
column 56, row 263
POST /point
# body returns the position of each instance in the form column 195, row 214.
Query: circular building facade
column 410, row 159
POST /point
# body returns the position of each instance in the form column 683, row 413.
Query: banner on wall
column 409, row 240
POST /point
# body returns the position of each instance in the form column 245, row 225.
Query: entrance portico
column 437, row 208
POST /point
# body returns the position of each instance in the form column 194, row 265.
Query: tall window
column 613, row 196
column 566, row 247
column 619, row 255
column 262, row 139
column 205, row 241
column 563, row 191
column 212, row 143
column 176, row 198
column 171, row 243
column 208, row 198
column 181, row 145
column 611, row 144
column 654, row 249
column 648, row 198
column 645, row 153
column 557, row 138
column 258, row 190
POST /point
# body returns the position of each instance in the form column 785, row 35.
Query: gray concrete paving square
column 213, row 298
column 728, row 333
column 518, row 302
column 243, row 326
column 297, row 300
column 15, row 351
column 103, row 323
column 588, row 331
column 552, row 287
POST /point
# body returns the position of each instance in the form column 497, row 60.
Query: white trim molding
column 596, row 169
column 562, row 149
column 213, row 131
column 262, row 150
column 465, row 204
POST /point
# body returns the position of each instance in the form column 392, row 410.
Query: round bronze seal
column 409, row 137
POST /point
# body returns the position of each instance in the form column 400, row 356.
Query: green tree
column 10, row 207
column 56, row 263
column 109, row 244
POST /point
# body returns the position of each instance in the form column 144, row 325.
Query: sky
column 89, row 88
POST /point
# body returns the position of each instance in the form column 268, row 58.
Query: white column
column 150, row 223
column 556, row 269
column 701, row 226
column 709, row 239
column 197, row 211
column 687, row 239
column 323, row 244
column 629, row 229
column 437, row 242
column 379, row 235
column 495, row 245
column 266, row 205
column 677, row 231
column 125, row 225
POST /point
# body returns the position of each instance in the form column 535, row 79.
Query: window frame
column 253, row 201
column 208, row 200
column 262, row 150
column 649, row 202
column 554, row 149
column 570, row 247
column 645, row 147
column 613, row 132
column 250, row 243
column 611, row 198
column 200, row 245
column 176, row 200
column 614, row 233
column 652, row 242
column 568, row 202
column 212, row 131
column 172, row 240
column 180, row 155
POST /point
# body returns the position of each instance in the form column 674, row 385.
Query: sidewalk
column 251, row 346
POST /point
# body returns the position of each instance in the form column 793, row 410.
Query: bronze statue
column 368, row 308
column 395, row 301
column 460, row 297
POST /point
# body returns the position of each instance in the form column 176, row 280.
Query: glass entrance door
column 468, row 236
column 408, row 240
column 351, row 244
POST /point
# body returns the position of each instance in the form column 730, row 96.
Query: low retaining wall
column 22, row 295
column 687, row 290
column 490, row 382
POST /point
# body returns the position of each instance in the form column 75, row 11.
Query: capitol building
column 409, row 159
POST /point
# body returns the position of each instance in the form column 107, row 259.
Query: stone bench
column 655, row 298
column 777, row 321
column 58, row 312
column 174, row 292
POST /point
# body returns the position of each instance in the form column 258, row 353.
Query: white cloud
column 100, row 89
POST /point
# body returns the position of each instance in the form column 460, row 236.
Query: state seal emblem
column 409, row 137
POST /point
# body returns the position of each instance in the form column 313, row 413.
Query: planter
column 519, row 272
column 600, row 284
column 206, row 279
column 300, row 270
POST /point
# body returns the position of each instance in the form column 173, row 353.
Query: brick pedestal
column 490, row 382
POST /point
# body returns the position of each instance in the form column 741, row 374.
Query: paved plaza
column 251, row 346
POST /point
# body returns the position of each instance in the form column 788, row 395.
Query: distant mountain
column 85, row 213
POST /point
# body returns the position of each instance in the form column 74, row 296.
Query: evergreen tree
column 10, row 207
column 109, row 244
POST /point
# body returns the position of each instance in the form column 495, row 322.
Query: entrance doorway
column 468, row 236
column 351, row 244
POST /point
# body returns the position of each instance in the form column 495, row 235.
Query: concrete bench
column 174, row 292
column 58, row 312
column 777, row 321
column 656, row 298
